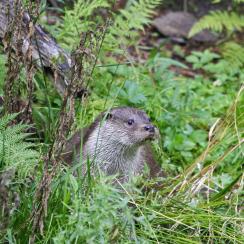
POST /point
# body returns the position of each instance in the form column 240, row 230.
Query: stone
column 179, row 24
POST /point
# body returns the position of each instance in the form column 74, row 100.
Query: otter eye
column 130, row 121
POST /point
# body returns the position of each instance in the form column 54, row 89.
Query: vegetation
column 229, row 24
column 201, row 123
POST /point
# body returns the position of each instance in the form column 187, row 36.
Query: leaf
column 15, row 152
column 192, row 59
column 226, row 189
column 199, row 136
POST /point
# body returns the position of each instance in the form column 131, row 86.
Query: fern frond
column 15, row 152
column 15, row 129
column 4, row 121
column 233, row 53
column 76, row 20
column 134, row 17
column 218, row 21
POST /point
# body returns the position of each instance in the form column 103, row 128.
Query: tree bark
column 46, row 53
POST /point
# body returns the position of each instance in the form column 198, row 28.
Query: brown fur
column 73, row 145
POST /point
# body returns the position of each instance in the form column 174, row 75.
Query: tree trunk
column 46, row 53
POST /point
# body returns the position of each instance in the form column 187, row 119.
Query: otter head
column 129, row 126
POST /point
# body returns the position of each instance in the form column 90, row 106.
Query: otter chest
column 111, row 157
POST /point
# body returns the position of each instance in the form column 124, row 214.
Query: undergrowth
column 201, row 123
column 229, row 24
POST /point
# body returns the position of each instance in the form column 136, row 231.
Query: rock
column 178, row 25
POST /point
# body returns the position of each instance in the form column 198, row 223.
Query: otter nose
column 149, row 128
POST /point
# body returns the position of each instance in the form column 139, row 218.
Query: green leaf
column 226, row 189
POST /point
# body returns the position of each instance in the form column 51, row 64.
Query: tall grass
column 195, row 206
column 201, row 148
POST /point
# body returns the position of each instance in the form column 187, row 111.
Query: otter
column 118, row 142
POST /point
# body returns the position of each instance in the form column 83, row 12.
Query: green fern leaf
column 134, row 17
column 233, row 53
column 77, row 20
column 4, row 121
column 15, row 152
column 219, row 21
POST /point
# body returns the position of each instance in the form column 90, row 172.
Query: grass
column 200, row 200
column 201, row 148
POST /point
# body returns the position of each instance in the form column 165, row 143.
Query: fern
column 229, row 22
column 77, row 20
column 15, row 153
column 124, row 28
column 4, row 121
column 233, row 53
column 219, row 21
column 134, row 17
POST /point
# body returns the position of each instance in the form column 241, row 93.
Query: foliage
column 2, row 73
column 233, row 53
column 219, row 21
column 108, row 220
column 49, row 102
column 15, row 152
column 201, row 144
column 182, row 108
column 225, row 22
column 78, row 20
column 127, row 22
column 222, row 70
column 46, row 110
column 100, row 212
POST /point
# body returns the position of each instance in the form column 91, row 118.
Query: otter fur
column 118, row 142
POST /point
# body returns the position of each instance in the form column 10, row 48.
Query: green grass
column 201, row 124
column 176, row 212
